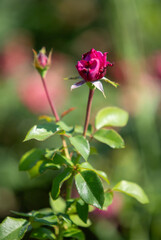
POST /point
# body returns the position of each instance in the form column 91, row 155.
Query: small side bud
column 42, row 62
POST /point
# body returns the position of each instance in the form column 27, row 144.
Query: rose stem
column 89, row 104
column 49, row 100
column 56, row 116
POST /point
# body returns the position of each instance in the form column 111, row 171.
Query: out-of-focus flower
column 15, row 56
column 93, row 65
column 41, row 61
column 112, row 211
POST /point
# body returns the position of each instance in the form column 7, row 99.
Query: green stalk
column 53, row 109
column 70, row 181
column 88, row 111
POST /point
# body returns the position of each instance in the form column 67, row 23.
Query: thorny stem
column 89, row 104
column 55, row 115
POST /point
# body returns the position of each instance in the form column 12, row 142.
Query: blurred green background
column 130, row 32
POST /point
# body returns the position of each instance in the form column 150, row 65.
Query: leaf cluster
column 67, row 214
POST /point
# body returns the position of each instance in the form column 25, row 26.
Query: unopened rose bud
column 42, row 59
column 42, row 62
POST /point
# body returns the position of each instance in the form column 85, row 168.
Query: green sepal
column 109, row 81
column 90, row 85
column 133, row 190
column 109, row 137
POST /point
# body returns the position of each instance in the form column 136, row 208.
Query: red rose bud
column 41, row 61
column 92, row 66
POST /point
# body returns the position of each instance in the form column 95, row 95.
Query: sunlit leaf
column 81, row 144
column 77, row 221
column 131, row 189
column 34, row 171
column 41, row 132
column 109, row 137
column 13, row 228
column 58, row 205
column 111, row 116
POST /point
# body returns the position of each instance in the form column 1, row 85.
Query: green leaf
column 71, row 206
column 42, row 234
column 82, row 210
column 109, row 137
column 30, row 158
column 58, row 181
column 13, row 228
column 75, row 233
column 41, row 132
column 133, row 190
column 30, row 214
column 46, row 220
column 58, row 205
column 108, row 199
column 61, row 160
column 65, row 127
column 50, row 153
column 34, row 171
column 87, row 166
column 90, row 188
column 48, row 165
column 77, row 221
column 81, row 144
column 111, row 116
